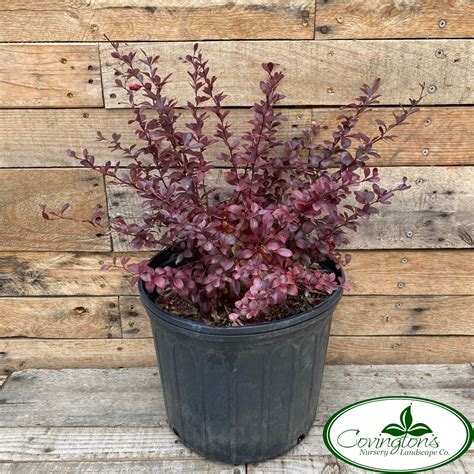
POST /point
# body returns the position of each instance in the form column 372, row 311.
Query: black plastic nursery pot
column 240, row 394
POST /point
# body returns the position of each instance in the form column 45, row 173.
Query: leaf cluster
column 286, row 206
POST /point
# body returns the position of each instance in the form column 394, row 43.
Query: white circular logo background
column 398, row 434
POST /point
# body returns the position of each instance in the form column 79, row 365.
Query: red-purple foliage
column 259, row 238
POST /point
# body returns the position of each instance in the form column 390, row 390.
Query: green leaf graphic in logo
column 406, row 426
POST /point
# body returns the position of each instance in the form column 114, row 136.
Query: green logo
column 407, row 427
column 398, row 434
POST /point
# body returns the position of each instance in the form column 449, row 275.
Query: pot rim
column 246, row 329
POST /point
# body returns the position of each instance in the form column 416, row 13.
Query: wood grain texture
column 165, row 20
column 79, row 317
column 388, row 19
column 49, row 75
column 76, row 438
column 59, row 274
column 196, row 466
column 105, row 444
column 18, row 354
column 134, row 320
column 400, row 349
column 412, row 273
column 405, row 315
column 329, row 464
column 84, row 397
column 434, row 135
column 132, row 397
column 317, row 72
column 359, row 316
column 93, row 443
column 436, row 212
column 409, row 272
column 21, row 225
column 33, row 138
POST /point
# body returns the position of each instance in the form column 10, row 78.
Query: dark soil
column 176, row 305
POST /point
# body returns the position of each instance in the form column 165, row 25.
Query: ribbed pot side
column 241, row 395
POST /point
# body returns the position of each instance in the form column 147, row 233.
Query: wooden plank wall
column 413, row 268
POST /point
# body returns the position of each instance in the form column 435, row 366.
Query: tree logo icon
column 406, row 426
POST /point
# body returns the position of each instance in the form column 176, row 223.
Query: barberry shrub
column 251, row 249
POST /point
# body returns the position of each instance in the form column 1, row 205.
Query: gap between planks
column 17, row 354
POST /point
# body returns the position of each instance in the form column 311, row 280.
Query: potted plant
column 241, row 295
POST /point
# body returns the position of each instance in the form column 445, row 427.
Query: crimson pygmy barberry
column 252, row 244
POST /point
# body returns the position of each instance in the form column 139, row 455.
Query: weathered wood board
column 111, row 418
column 436, row 212
column 400, row 349
column 384, row 19
column 49, row 133
column 58, row 309
column 77, row 317
column 433, row 136
column 360, row 316
column 317, row 72
column 18, row 354
column 49, row 75
column 405, row 315
column 408, row 272
column 59, row 274
column 321, row 463
column 23, row 228
column 132, row 396
column 31, row 138
column 163, row 20
column 194, row 465
column 412, row 272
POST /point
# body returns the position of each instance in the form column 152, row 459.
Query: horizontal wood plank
column 133, row 397
column 400, row 349
column 40, row 138
column 359, row 316
column 60, row 274
column 404, row 315
column 325, row 463
column 409, row 272
column 434, row 135
column 92, row 443
column 84, row 397
column 436, row 212
column 412, row 273
column 78, row 317
column 18, row 354
column 317, row 72
column 163, row 20
column 382, row 19
column 50, row 132
column 49, row 75
column 21, row 225
column 28, row 437
column 196, row 466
